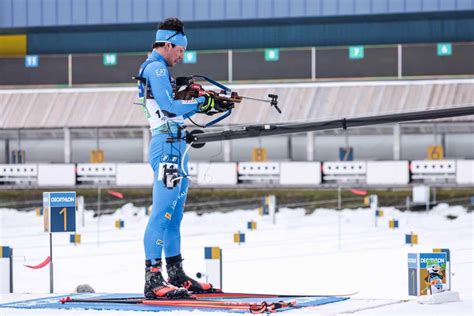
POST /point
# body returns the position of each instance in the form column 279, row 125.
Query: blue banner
column 62, row 199
column 432, row 259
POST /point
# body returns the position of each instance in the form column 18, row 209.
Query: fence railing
column 285, row 64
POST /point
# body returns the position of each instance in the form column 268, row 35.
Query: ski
column 118, row 300
column 203, row 295
column 253, row 307
column 191, row 302
column 252, row 295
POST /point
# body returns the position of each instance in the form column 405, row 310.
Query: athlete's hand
column 206, row 102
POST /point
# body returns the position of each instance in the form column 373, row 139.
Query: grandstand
column 65, row 89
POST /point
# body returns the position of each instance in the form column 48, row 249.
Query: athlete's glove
column 206, row 102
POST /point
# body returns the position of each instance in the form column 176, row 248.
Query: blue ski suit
column 165, row 115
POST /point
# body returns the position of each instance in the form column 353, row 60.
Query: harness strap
column 145, row 89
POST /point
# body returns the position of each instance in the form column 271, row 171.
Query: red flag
column 41, row 265
column 118, row 195
column 359, row 192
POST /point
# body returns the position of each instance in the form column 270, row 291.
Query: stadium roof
column 113, row 107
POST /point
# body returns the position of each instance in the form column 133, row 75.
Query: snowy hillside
column 326, row 252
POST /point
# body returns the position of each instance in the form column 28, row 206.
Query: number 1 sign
column 59, row 216
column 59, row 211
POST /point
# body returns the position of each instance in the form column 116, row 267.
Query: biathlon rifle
column 198, row 138
column 186, row 89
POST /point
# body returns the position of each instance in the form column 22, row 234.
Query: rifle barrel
column 261, row 130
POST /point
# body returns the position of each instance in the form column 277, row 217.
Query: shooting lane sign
column 393, row 223
column 272, row 54
column 31, row 61
column 59, row 217
column 6, row 269
column 75, row 239
column 444, row 49
column 435, row 152
column 356, row 52
column 252, row 225
column 190, row 57
column 109, row 59
column 239, row 237
column 411, row 239
column 213, row 257
column 426, row 273
column 59, row 212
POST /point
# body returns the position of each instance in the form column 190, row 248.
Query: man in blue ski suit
column 168, row 159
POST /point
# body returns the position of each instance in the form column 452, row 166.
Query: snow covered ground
column 326, row 252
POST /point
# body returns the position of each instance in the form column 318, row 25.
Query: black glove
column 222, row 106
column 206, row 102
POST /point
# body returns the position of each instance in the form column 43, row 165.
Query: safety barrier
column 345, row 171
column 217, row 173
column 103, row 173
column 302, row 173
column 192, row 171
column 268, row 172
column 18, row 173
column 433, row 170
column 57, row 175
column 133, row 174
column 465, row 172
column 387, row 173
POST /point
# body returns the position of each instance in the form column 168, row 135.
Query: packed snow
column 325, row 252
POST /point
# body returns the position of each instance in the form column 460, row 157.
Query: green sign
column 110, row 59
column 272, row 54
column 190, row 57
column 356, row 52
column 444, row 49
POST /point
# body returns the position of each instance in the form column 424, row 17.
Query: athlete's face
column 174, row 54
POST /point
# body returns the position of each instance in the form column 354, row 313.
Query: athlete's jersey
column 158, row 97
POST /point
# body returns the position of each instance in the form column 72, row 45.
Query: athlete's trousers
column 163, row 229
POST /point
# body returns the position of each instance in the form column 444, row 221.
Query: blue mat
column 53, row 303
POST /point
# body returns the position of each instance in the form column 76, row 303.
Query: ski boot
column 157, row 287
column 177, row 277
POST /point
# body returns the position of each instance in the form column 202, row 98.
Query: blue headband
column 171, row 36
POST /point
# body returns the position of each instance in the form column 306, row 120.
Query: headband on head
column 171, row 36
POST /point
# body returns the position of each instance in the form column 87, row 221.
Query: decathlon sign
column 59, row 210
column 428, row 272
